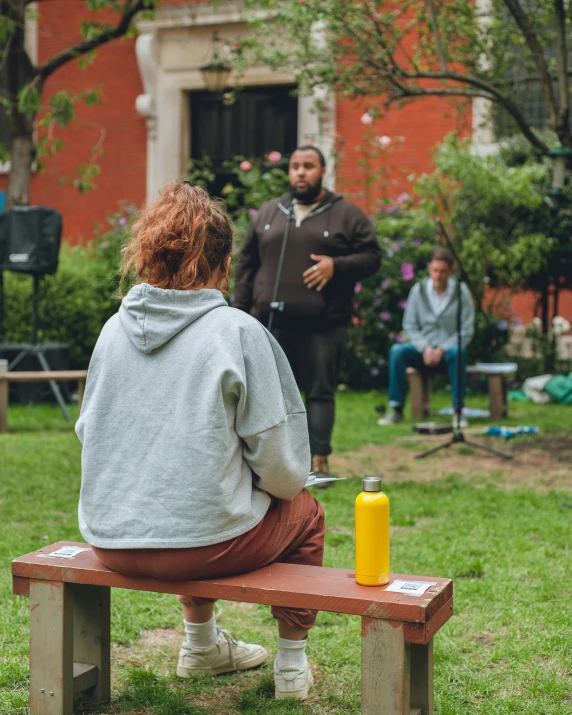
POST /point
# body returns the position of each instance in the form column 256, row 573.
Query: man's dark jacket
column 336, row 228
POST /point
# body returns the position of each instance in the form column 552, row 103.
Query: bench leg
column 420, row 393
column 51, row 648
column 3, row 406
column 80, row 391
column 91, row 642
column 422, row 677
column 497, row 396
column 69, row 646
column 385, row 669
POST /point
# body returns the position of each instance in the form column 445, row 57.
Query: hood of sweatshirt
column 152, row 316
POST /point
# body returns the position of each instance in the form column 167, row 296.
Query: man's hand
column 432, row 356
column 319, row 274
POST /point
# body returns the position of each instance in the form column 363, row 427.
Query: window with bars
column 528, row 96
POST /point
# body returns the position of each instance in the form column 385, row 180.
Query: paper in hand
column 313, row 480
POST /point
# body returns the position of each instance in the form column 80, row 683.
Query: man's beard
column 308, row 195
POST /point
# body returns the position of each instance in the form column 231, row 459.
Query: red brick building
column 155, row 114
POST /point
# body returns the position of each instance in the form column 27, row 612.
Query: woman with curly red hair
column 195, row 442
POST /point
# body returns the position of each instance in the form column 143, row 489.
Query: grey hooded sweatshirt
column 424, row 328
column 191, row 420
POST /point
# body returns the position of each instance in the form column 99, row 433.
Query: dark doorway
column 262, row 119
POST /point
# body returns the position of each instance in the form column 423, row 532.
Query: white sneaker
column 391, row 418
column 292, row 681
column 225, row 656
column 460, row 424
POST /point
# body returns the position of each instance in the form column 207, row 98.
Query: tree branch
column 132, row 7
column 537, row 55
column 488, row 91
column 438, row 46
column 562, row 68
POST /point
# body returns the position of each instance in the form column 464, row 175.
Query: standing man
column 330, row 244
column 430, row 323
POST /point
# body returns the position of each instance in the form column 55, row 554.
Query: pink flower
column 385, row 283
column 385, row 141
column 402, row 198
column 407, row 272
column 122, row 221
column 252, row 212
column 385, row 315
column 245, row 166
column 396, row 247
column 399, row 338
column 357, row 288
column 355, row 321
column 274, row 157
column 403, row 304
column 366, row 119
column 378, row 301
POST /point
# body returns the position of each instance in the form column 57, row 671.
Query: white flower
column 366, row 119
column 385, row 141
column 560, row 325
column 537, row 322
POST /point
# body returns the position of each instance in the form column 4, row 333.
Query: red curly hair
column 180, row 240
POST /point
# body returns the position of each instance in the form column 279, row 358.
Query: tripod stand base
column 458, row 438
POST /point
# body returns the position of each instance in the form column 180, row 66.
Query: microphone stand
column 277, row 306
column 458, row 436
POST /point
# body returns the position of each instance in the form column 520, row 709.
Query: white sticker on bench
column 411, row 588
column 66, row 552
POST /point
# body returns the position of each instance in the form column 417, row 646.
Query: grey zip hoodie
column 191, row 419
column 424, row 328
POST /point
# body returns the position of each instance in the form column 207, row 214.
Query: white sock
column 201, row 635
column 291, row 652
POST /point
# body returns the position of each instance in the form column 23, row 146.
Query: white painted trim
column 483, row 139
column 169, row 63
column 197, row 15
column 31, row 32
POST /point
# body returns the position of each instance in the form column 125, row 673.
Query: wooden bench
column 420, row 391
column 70, row 618
column 39, row 376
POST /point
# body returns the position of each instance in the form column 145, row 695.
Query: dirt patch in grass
column 541, row 462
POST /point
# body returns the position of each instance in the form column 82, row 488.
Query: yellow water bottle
column 372, row 534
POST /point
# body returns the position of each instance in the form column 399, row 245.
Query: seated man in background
column 430, row 323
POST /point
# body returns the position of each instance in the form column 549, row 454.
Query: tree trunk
column 21, row 157
column 19, row 73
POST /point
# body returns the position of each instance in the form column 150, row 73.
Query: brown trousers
column 290, row 532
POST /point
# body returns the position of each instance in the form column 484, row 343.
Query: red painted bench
column 69, row 625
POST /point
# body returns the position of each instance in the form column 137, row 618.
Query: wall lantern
column 216, row 72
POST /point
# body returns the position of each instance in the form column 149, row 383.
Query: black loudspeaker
column 30, row 239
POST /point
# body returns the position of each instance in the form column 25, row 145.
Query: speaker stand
column 40, row 352
column 33, row 348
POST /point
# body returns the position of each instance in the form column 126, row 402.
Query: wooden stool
column 420, row 389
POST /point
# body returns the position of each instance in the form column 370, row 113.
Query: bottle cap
column 371, row 484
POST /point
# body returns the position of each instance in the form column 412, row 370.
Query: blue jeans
column 404, row 355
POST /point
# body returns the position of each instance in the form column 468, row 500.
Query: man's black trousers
column 315, row 359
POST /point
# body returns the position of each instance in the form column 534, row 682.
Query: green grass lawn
column 507, row 649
